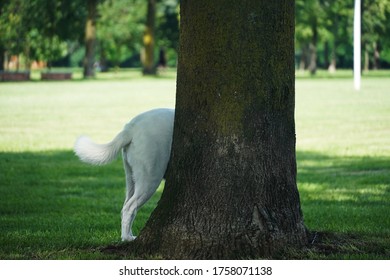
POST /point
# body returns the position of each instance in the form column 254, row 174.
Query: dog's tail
column 101, row 154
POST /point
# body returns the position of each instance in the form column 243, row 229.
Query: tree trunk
column 2, row 57
column 231, row 187
column 90, row 39
column 326, row 54
column 2, row 48
column 313, row 49
column 333, row 61
column 148, row 56
column 304, row 58
column 376, row 56
column 366, row 59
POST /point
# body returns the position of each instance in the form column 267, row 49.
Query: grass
column 54, row 207
column 343, row 157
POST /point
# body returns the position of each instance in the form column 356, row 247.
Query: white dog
column 146, row 147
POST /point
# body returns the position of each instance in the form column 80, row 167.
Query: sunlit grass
column 331, row 117
column 37, row 116
column 54, row 207
column 343, row 156
column 350, row 194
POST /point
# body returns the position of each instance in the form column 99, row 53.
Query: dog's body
column 146, row 146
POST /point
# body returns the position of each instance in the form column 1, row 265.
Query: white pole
column 357, row 46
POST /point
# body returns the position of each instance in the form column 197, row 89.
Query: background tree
column 90, row 39
column 119, row 30
column 149, row 67
column 48, row 30
column 2, row 33
column 310, row 14
column 231, row 189
column 12, row 28
column 167, row 31
column 52, row 25
column 338, row 23
column 375, row 15
column 40, row 29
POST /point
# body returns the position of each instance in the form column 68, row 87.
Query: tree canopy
column 325, row 28
column 40, row 29
column 50, row 30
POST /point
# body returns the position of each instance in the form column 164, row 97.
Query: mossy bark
column 231, row 187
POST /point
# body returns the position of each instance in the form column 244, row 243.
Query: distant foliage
column 51, row 30
column 325, row 28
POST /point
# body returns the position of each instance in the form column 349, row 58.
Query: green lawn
column 54, row 207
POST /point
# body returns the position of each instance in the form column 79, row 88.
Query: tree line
column 100, row 33
column 324, row 28
column 113, row 33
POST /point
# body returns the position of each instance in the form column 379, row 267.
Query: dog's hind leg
column 129, row 211
column 127, row 216
column 144, row 188
column 129, row 175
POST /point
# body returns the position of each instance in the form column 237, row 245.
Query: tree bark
column 2, row 49
column 2, row 56
column 376, row 56
column 304, row 61
column 231, row 187
column 333, row 62
column 148, row 56
column 326, row 54
column 366, row 59
column 313, row 49
column 90, row 39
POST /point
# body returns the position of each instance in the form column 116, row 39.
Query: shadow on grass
column 53, row 207
column 351, row 194
column 345, row 202
column 340, row 246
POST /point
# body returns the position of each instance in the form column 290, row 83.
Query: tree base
column 229, row 250
column 149, row 72
column 49, row 76
column 249, row 245
column 320, row 245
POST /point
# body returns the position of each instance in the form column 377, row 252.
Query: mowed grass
column 343, row 157
column 54, row 207
column 51, row 205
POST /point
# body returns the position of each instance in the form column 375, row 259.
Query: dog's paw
column 128, row 238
